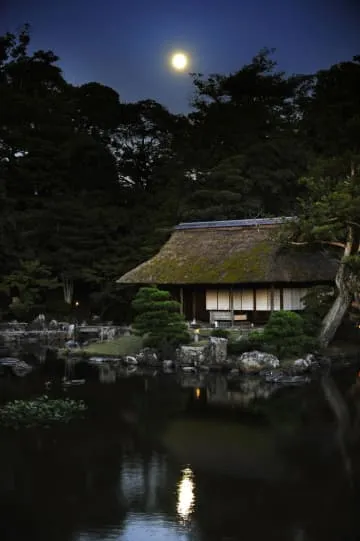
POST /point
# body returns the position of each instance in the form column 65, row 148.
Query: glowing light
column 77, row 303
column 179, row 61
column 185, row 495
column 197, row 392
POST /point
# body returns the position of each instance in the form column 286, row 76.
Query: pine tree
column 159, row 319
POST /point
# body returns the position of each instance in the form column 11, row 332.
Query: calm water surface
column 157, row 460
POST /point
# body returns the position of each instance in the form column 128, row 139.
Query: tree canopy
column 91, row 186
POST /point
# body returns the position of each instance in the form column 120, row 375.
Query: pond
column 157, row 459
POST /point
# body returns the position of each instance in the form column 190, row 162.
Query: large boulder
column 213, row 353
column 216, row 351
column 191, row 355
column 306, row 364
column 129, row 359
column 255, row 361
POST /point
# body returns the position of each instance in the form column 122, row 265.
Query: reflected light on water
column 185, row 494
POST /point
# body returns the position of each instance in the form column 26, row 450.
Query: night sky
column 125, row 43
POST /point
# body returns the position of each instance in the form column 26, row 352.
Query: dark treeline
column 91, row 186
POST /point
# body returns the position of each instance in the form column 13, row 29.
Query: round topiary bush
column 41, row 411
column 284, row 335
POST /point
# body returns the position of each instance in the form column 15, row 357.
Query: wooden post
column 231, row 305
column 272, row 297
column 181, row 300
column 281, row 298
column 194, row 305
column 254, row 300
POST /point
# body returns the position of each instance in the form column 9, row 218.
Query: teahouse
column 228, row 272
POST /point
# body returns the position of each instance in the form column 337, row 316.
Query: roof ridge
column 234, row 223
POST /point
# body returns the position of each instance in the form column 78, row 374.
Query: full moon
column 179, row 61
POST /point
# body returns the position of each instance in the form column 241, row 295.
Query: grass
column 125, row 345
column 200, row 343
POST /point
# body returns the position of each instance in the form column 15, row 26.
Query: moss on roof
column 229, row 256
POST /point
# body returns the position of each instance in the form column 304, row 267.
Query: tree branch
column 329, row 242
column 353, row 223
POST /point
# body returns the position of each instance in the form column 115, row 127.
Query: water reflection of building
column 193, row 380
column 144, row 484
column 141, row 481
column 159, row 499
column 101, row 488
column 107, row 374
column 217, row 390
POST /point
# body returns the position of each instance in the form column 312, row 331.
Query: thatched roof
column 231, row 252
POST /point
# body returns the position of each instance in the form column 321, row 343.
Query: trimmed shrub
column 159, row 319
column 220, row 333
column 252, row 342
column 285, row 336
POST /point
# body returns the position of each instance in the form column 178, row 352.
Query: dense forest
column 91, row 186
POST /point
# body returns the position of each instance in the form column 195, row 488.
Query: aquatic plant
column 40, row 411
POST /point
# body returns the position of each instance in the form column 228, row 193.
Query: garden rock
column 303, row 365
column 216, row 350
column 129, row 359
column 191, row 355
column 255, row 361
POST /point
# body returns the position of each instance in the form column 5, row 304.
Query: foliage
column 245, row 139
column 331, row 120
column 261, row 181
column 329, row 211
column 27, row 285
column 331, row 203
column 233, row 112
column 220, row 333
column 40, row 411
column 143, row 143
column 63, row 151
column 284, row 335
column 90, row 187
column 317, row 301
column 250, row 343
column 159, row 319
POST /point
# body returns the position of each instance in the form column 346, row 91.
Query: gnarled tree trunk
column 335, row 315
